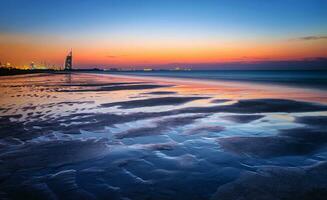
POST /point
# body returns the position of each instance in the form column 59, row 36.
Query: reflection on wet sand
column 87, row 136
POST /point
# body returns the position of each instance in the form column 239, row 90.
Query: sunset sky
column 125, row 33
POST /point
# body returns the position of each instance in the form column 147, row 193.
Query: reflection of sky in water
column 162, row 150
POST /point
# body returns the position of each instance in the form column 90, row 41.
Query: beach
column 120, row 136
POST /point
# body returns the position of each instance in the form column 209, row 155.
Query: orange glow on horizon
column 22, row 50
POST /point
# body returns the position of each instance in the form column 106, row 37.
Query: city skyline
column 160, row 34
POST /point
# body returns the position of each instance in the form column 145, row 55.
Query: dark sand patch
column 10, row 128
column 284, row 183
column 117, row 88
column 162, row 101
column 273, row 105
column 65, row 186
column 298, row 141
column 160, row 93
column 317, row 121
column 204, row 129
column 68, row 103
column 168, row 146
column 100, row 84
column 312, row 137
column 52, row 153
column 220, row 100
column 250, row 106
column 138, row 132
column 242, row 118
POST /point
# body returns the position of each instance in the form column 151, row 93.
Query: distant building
column 69, row 61
column 113, row 69
column 32, row 65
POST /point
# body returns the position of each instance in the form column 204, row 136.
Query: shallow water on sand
column 87, row 136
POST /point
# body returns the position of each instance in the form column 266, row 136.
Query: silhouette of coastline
column 4, row 71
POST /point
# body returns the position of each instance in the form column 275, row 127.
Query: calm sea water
column 312, row 79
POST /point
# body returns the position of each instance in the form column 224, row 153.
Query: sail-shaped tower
column 69, row 61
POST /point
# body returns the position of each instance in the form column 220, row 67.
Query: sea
column 301, row 78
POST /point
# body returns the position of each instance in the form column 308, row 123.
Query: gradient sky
column 124, row 33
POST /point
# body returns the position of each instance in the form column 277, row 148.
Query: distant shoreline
column 13, row 71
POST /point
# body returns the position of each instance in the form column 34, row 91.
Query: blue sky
column 166, row 21
column 282, row 17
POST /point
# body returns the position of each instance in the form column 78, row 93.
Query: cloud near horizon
column 312, row 37
column 114, row 56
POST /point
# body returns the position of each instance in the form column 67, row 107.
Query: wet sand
column 92, row 136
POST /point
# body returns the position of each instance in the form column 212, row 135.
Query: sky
column 159, row 34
